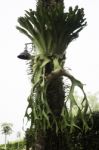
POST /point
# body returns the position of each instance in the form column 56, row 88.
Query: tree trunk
column 40, row 141
column 5, row 141
column 55, row 96
column 49, row 3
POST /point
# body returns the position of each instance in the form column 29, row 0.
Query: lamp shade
column 24, row 55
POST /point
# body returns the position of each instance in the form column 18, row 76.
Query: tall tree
column 51, row 30
column 6, row 129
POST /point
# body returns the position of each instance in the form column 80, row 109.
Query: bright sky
column 82, row 58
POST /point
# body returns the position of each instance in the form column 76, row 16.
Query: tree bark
column 49, row 3
column 55, row 96
column 40, row 141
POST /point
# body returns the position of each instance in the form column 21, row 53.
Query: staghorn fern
column 51, row 32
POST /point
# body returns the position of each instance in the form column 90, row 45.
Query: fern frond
column 24, row 32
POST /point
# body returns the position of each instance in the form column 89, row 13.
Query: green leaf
column 24, row 32
column 56, row 64
column 44, row 61
column 46, row 117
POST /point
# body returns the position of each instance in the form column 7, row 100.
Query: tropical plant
column 51, row 30
column 6, row 129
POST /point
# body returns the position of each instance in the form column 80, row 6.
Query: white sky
column 82, row 58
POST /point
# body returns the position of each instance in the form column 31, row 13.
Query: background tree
column 6, row 129
column 51, row 30
column 94, row 101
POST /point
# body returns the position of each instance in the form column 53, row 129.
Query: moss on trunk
column 55, row 96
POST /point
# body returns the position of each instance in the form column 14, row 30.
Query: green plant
column 6, row 129
column 51, row 31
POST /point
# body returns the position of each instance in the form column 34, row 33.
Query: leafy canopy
column 6, row 128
